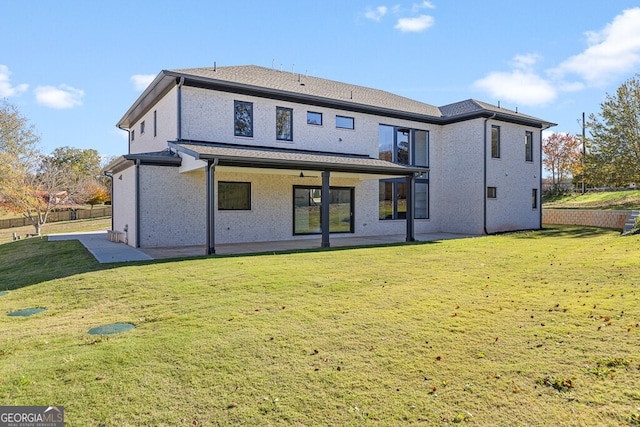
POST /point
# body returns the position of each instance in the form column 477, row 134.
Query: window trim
column 492, row 192
column 495, row 155
column 528, row 146
column 314, row 124
column 236, row 104
column 248, row 183
column 285, row 110
column 353, row 122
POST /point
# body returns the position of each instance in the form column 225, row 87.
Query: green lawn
column 528, row 329
column 629, row 199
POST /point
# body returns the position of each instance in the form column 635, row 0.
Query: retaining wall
column 592, row 218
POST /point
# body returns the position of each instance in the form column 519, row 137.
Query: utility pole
column 583, row 150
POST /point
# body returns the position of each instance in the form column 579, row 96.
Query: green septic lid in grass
column 3, row 293
column 114, row 328
column 27, row 312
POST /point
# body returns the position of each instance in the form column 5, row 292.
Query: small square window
column 234, row 196
column 284, row 124
column 534, row 198
column 142, row 127
column 314, row 118
column 492, row 192
column 344, row 122
column 243, row 118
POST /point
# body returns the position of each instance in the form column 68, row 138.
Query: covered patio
column 293, row 245
column 216, row 157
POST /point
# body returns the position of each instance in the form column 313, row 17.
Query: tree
column 614, row 146
column 32, row 184
column 561, row 157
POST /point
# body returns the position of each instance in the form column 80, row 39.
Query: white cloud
column 6, row 89
column 376, row 14
column 521, row 87
column 141, row 81
column 613, row 51
column 60, row 97
column 526, row 61
column 415, row 25
column 424, row 5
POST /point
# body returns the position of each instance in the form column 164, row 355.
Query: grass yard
column 525, row 329
column 6, row 234
column 629, row 199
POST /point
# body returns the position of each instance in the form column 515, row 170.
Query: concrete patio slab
column 106, row 251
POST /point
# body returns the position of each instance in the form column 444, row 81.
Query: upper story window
column 495, row 142
column 133, row 135
column 243, row 118
column 142, row 126
column 284, row 124
column 155, row 123
column 528, row 146
column 344, row 122
column 403, row 146
column 314, row 118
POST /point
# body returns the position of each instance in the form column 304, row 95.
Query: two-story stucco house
column 248, row 154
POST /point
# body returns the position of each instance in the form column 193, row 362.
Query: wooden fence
column 97, row 212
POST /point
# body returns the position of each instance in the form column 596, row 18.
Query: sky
column 73, row 68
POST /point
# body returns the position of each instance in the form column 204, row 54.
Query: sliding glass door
column 306, row 210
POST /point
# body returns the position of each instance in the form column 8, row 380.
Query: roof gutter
column 484, row 189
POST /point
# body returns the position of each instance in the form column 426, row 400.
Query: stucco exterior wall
column 172, row 207
column 592, row 218
column 208, row 116
column 124, row 203
column 166, row 126
column 514, row 179
column 457, row 190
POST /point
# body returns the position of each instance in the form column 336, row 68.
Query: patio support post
column 211, row 224
column 324, row 209
column 411, row 184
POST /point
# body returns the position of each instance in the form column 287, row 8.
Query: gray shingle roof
column 295, row 87
column 307, row 85
column 278, row 158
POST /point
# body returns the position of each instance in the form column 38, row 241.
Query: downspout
column 110, row 176
column 210, row 226
column 484, row 189
column 137, row 203
column 179, row 107
column 128, row 138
